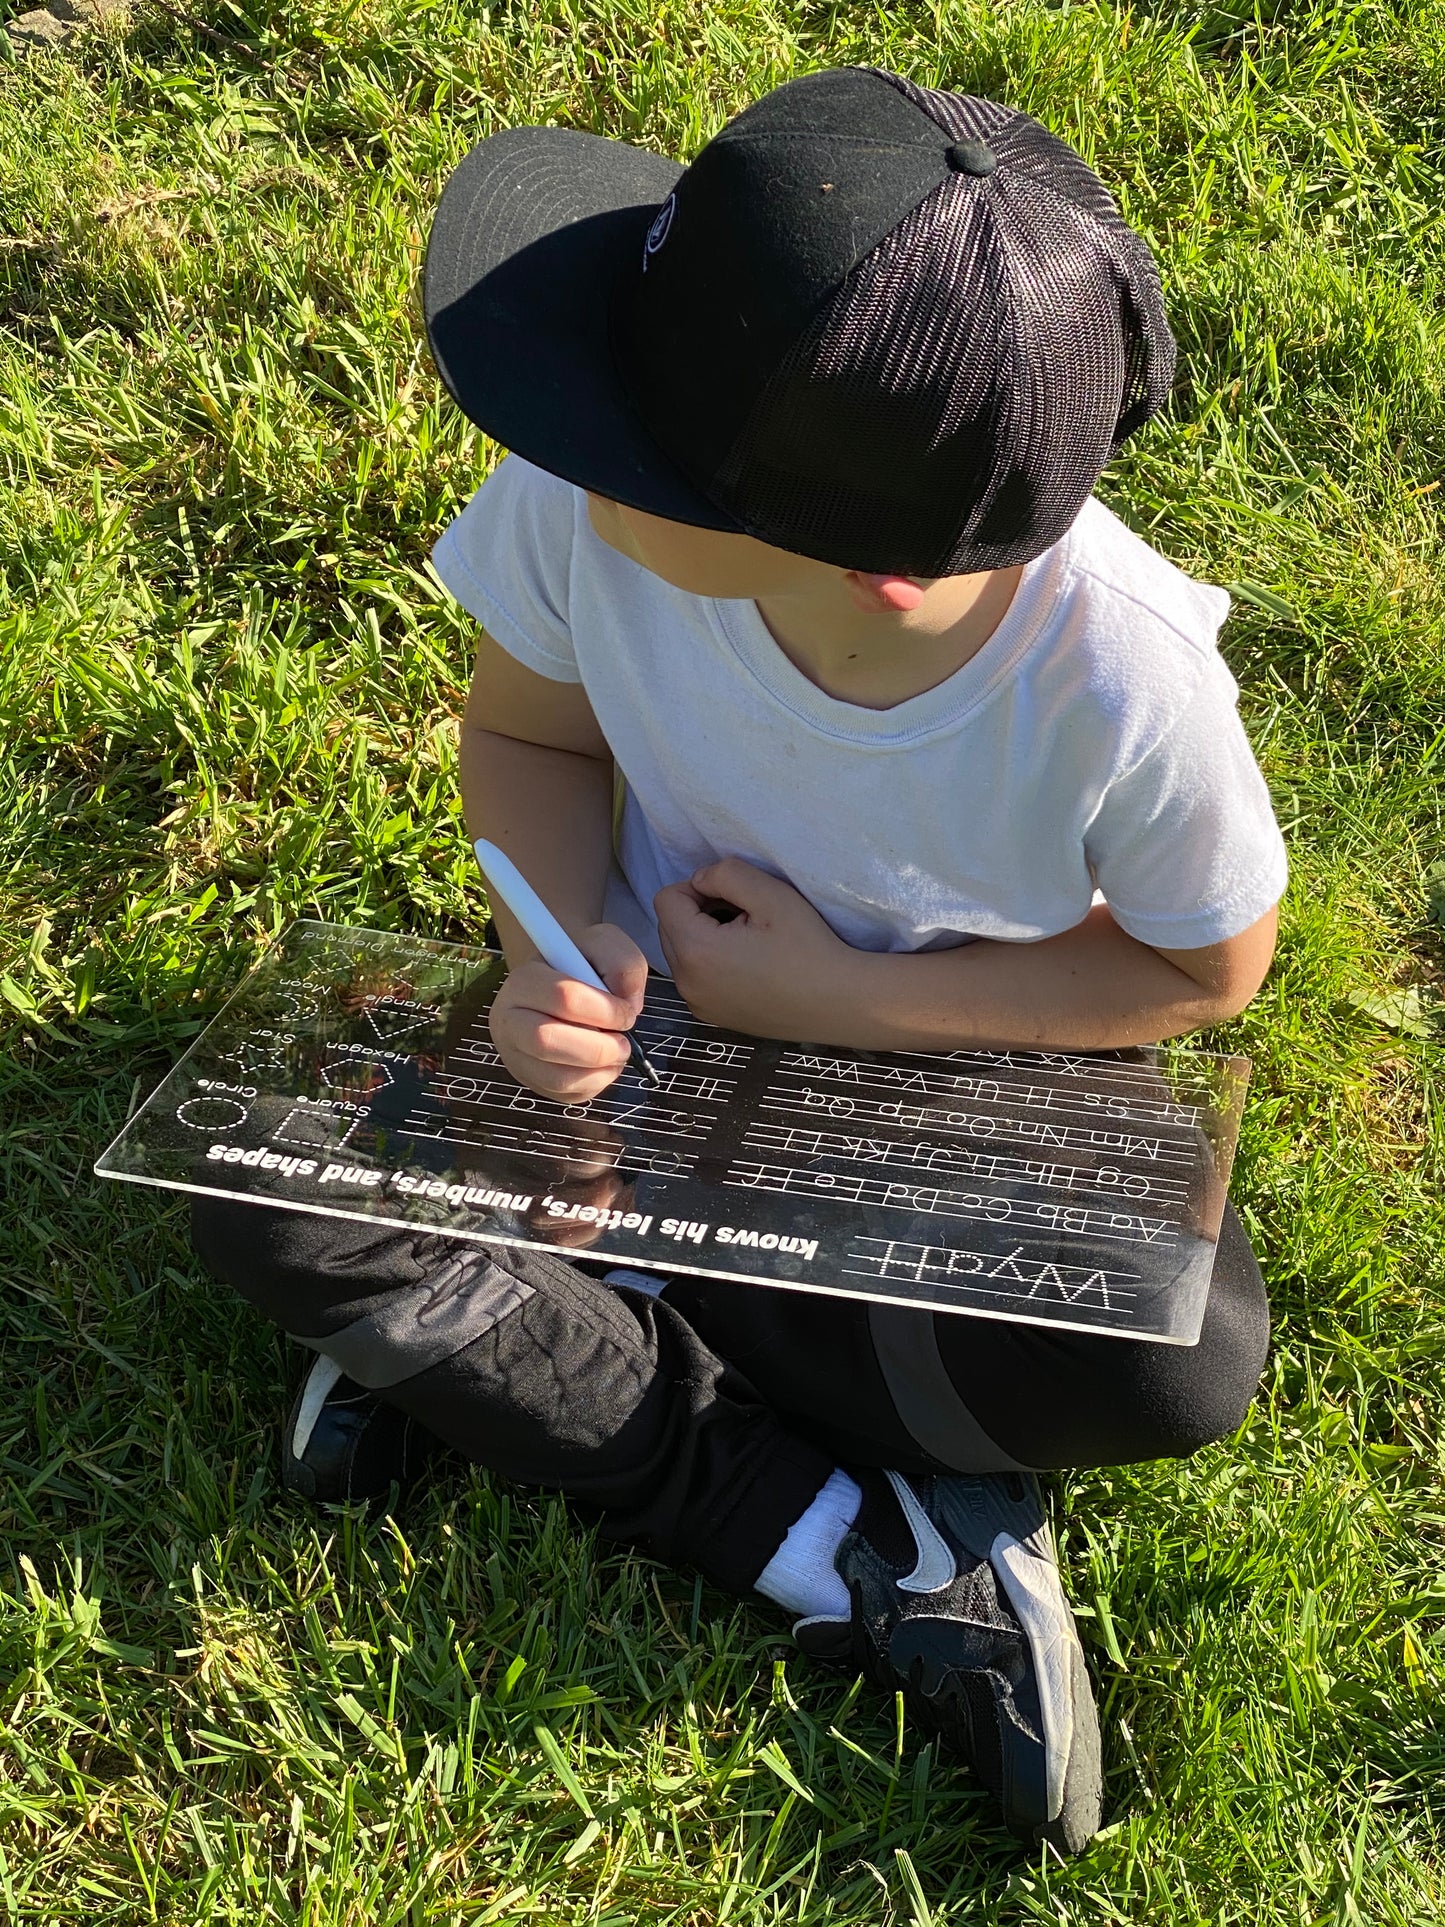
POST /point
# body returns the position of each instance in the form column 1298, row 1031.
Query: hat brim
column 530, row 237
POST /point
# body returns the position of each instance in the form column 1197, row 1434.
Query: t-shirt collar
column 741, row 626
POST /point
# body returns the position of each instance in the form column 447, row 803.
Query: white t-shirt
column 1092, row 744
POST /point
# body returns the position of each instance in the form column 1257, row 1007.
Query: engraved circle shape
column 220, row 1114
column 971, row 157
column 660, row 229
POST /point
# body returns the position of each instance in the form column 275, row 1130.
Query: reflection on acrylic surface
column 352, row 1073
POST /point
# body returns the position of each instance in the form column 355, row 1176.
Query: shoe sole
column 1073, row 1746
column 1014, row 1537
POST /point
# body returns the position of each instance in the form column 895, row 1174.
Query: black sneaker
column 342, row 1442
column 956, row 1598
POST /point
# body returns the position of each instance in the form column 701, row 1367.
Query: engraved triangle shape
column 391, row 1021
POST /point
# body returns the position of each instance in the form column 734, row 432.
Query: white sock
column 647, row 1281
column 801, row 1575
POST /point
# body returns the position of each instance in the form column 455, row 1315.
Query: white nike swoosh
column 319, row 1381
column 936, row 1566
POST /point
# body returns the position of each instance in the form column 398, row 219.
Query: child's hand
column 774, row 970
column 561, row 1038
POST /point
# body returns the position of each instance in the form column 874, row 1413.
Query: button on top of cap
column 971, row 157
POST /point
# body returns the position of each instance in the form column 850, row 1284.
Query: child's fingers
column 569, row 1088
column 686, row 890
column 618, row 961
column 679, row 912
column 753, row 891
column 565, row 1084
column 574, row 1046
column 565, row 1039
column 540, row 988
column 551, row 1040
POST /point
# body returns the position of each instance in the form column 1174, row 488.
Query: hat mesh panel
column 1149, row 343
column 949, row 410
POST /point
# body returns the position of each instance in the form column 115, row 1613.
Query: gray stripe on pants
column 924, row 1396
column 423, row 1325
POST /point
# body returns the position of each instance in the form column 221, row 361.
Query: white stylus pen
column 557, row 948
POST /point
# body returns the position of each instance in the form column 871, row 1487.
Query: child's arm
column 536, row 776
column 778, row 970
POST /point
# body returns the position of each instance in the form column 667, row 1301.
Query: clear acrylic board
column 352, row 1074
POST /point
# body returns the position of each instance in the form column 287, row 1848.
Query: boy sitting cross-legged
column 797, row 546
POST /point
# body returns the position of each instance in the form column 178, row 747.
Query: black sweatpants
column 699, row 1425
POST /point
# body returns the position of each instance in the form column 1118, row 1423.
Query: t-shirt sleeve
column 506, row 559
column 1185, row 847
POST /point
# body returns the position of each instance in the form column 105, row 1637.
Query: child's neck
column 878, row 660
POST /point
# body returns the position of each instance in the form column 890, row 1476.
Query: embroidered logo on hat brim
column 659, row 231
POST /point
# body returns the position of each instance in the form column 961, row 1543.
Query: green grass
column 228, row 694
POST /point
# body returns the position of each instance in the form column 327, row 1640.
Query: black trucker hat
column 892, row 328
